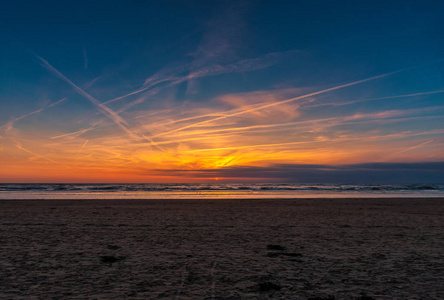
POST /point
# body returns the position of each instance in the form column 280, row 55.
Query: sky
column 222, row 91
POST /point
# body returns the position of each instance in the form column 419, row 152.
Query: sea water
column 216, row 191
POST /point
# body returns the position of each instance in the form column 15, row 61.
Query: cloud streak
column 175, row 75
column 279, row 102
column 374, row 99
column 102, row 107
column 9, row 125
column 19, row 146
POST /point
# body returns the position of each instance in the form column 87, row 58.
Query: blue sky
column 154, row 91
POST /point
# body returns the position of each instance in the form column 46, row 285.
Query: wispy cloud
column 409, row 149
column 106, row 110
column 258, row 128
column 245, row 65
column 79, row 132
column 374, row 99
column 268, row 105
column 92, row 82
column 9, row 125
column 19, row 146
column 102, row 107
column 182, row 73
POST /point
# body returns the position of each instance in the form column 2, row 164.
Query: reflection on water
column 219, row 191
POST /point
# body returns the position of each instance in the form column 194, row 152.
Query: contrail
column 378, row 138
column 144, row 88
column 55, row 103
column 309, row 124
column 87, row 86
column 219, row 115
column 79, row 132
column 300, row 97
column 11, row 123
column 85, row 144
column 245, row 65
column 250, row 146
column 281, row 102
column 372, row 99
column 414, row 147
column 103, row 108
column 408, row 149
column 41, row 156
column 107, row 111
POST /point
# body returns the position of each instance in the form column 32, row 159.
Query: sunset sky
column 222, row 91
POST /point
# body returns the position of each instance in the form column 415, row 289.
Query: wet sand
column 222, row 249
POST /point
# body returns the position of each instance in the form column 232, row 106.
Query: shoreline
column 212, row 197
column 203, row 200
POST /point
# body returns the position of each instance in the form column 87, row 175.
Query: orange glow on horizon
column 264, row 131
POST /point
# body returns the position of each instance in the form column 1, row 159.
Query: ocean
column 216, row 191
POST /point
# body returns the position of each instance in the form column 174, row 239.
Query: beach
column 222, row 249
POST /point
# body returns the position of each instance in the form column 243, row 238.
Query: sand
column 222, row 249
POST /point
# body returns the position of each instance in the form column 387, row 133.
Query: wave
column 92, row 188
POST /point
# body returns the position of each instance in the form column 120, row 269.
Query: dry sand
column 222, row 249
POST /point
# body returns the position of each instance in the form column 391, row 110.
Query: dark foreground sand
column 222, row 249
